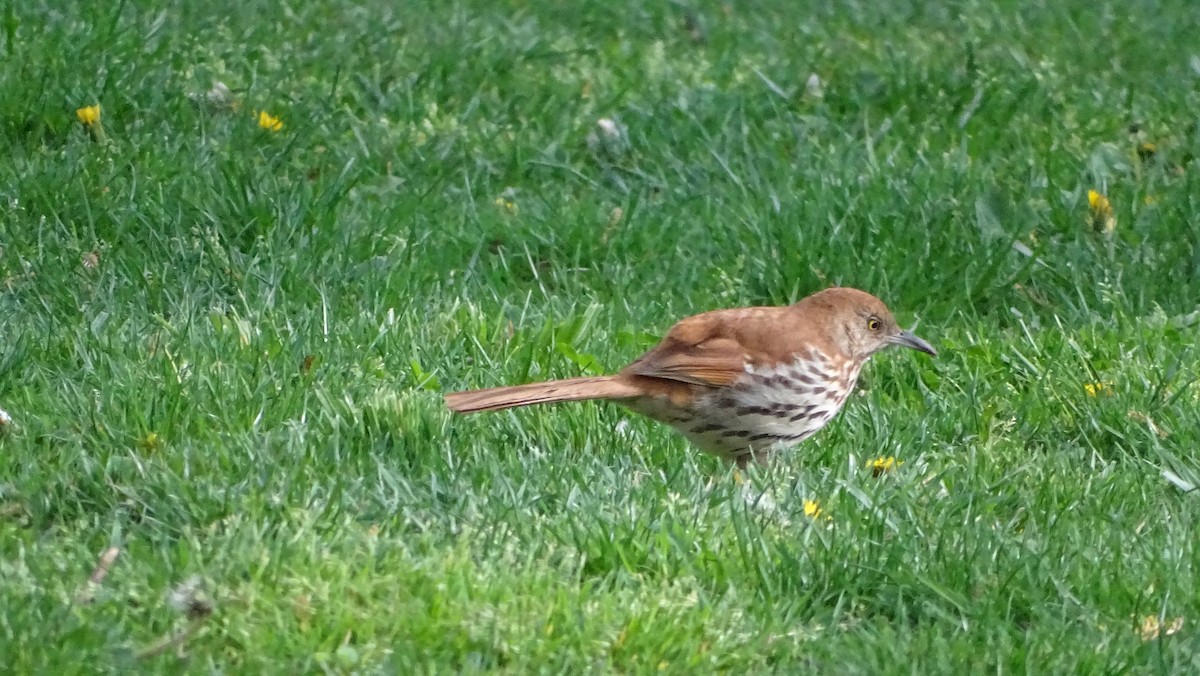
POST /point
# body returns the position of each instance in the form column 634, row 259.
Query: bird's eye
column 873, row 324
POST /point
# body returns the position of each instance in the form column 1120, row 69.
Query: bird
column 741, row 384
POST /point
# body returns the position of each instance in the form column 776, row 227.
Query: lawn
column 231, row 297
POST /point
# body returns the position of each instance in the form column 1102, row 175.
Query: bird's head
column 859, row 324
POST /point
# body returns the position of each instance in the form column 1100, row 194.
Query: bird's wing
column 703, row 350
column 713, row 363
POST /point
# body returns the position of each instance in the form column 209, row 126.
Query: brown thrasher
column 738, row 383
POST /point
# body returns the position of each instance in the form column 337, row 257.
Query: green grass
column 245, row 387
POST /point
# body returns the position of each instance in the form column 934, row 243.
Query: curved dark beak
column 909, row 340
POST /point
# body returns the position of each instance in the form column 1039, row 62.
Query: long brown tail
column 572, row 389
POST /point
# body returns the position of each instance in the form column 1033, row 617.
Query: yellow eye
column 873, row 324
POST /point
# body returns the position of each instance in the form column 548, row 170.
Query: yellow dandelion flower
column 268, row 121
column 507, row 205
column 1097, row 389
column 812, row 509
column 88, row 115
column 883, row 465
column 1100, row 213
column 1146, row 151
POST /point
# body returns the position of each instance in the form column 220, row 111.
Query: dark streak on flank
column 806, row 412
column 736, row 433
column 801, row 376
column 707, row 428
